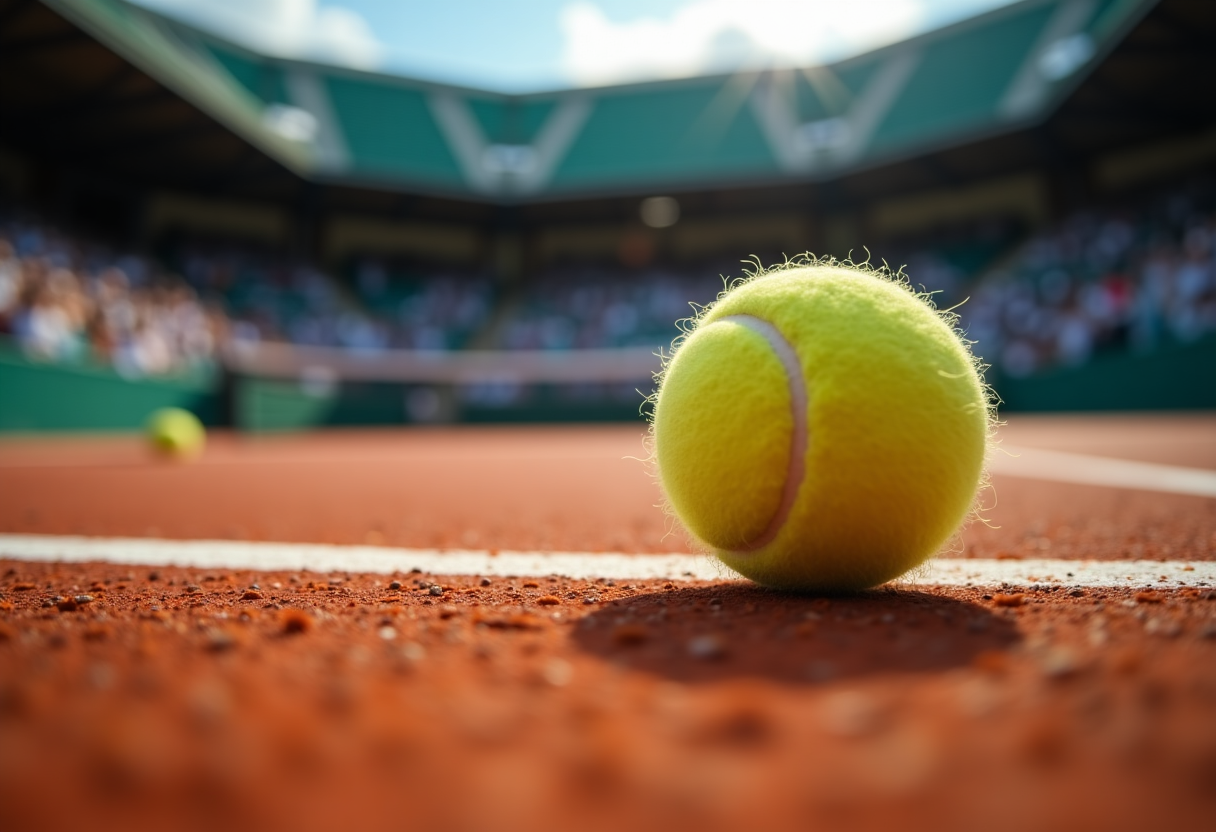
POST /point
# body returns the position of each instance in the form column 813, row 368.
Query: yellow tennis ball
column 821, row 427
column 175, row 432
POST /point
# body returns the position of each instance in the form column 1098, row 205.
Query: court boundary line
column 329, row 558
column 1105, row 471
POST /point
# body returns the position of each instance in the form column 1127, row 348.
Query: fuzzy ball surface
column 821, row 428
column 177, row 433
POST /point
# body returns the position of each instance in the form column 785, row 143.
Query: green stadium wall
column 272, row 405
column 40, row 397
column 267, row 405
column 1177, row 377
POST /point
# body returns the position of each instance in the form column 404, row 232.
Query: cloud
column 704, row 36
column 288, row 28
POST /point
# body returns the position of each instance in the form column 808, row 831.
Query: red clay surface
column 548, row 488
column 332, row 701
column 182, row 698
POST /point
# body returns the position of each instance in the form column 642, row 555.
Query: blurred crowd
column 425, row 309
column 66, row 301
column 63, row 301
column 1098, row 281
column 574, row 307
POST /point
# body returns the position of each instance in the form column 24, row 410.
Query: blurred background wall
column 278, row 243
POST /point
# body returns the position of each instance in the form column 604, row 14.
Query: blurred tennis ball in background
column 176, row 433
column 821, row 427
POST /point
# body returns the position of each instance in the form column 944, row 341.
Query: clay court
column 181, row 681
column 332, row 337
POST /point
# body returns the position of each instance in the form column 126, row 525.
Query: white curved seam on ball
column 795, row 470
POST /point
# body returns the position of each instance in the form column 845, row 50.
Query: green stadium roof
column 988, row 75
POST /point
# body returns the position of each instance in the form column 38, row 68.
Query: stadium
column 425, row 571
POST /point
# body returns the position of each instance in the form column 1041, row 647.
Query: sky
column 554, row 44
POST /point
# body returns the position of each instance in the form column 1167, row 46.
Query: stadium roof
column 991, row 75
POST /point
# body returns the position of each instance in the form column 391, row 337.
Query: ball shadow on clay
column 741, row 630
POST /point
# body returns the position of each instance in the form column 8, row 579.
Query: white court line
column 317, row 557
column 1083, row 469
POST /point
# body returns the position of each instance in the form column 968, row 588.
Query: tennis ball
column 821, row 427
column 176, row 433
